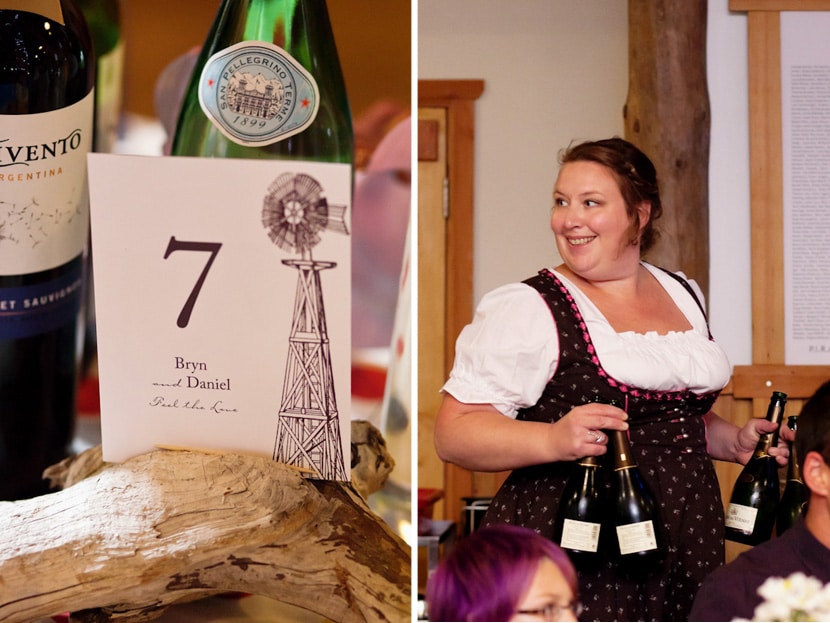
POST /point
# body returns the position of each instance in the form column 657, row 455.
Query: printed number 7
column 181, row 245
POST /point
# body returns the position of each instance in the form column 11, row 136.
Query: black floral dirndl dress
column 668, row 439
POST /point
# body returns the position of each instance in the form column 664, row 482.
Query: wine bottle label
column 580, row 535
column 48, row 8
column 44, row 205
column 636, row 537
column 740, row 517
column 256, row 93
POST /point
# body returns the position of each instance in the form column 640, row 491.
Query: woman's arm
column 728, row 442
column 478, row 437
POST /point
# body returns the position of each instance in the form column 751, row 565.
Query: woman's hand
column 750, row 433
column 580, row 432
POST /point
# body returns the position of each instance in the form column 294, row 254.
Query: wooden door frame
column 458, row 97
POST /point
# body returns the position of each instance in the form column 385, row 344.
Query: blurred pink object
column 380, row 219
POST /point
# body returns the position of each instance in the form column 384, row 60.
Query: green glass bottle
column 750, row 516
column 634, row 512
column 796, row 496
column 104, row 20
column 267, row 84
column 578, row 525
column 579, row 519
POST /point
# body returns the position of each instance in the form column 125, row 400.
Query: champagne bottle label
column 636, row 537
column 740, row 517
column 256, row 93
column 48, row 8
column 580, row 535
column 44, row 209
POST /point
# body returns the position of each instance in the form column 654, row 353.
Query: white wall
column 557, row 71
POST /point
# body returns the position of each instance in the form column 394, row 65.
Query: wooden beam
column 667, row 116
column 759, row 381
column 779, row 5
column 766, row 188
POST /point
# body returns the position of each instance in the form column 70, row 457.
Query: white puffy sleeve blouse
column 510, row 350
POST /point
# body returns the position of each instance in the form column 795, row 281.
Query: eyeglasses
column 553, row 612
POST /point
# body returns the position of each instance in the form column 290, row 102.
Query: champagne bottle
column 579, row 517
column 796, row 496
column 750, row 516
column 578, row 524
column 47, row 76
column 267, row 84
column 634, row 511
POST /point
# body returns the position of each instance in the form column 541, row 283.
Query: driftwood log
column 122, row 542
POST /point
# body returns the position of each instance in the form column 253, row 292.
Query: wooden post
column 667, row 116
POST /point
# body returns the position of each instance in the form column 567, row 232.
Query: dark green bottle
column 795, row 497
column 579, row 518
column 634, row 513
column 750, row 516
column 104, row 20
column 267, row 84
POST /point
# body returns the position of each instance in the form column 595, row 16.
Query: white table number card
column 222, row 290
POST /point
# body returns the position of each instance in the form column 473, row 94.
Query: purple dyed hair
column 485, row 576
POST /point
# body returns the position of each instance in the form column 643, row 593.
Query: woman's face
column 591, row 223
column 549, row 597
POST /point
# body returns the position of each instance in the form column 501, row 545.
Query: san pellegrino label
column 48, row 8
column 256, row 93
column 44, row 201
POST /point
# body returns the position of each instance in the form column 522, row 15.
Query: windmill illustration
column 295, row 213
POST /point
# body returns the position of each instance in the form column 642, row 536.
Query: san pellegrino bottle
column 578, row 524
column 267, row 84
column 795, row 498
column 634, row 511
column 47, row 77
column 750, row 516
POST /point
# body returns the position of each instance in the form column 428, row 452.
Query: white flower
column 795, row 598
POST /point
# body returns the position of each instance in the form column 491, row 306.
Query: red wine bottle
column 47, row 77
column 750, row 516
column 634, row 511
column 579, row 517
column 796, row 496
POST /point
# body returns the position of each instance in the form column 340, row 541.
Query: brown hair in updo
column 636, row 178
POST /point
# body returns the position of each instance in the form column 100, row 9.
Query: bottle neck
column 793, row 469
column 621, row 448
column 775, row 414
column 589, row 461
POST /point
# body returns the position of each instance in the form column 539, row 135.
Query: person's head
column 503, row 573
column 812, row 444
column 636, row 183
